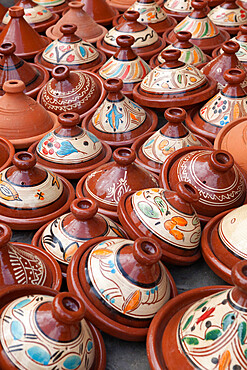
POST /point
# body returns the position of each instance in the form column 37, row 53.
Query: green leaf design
column 245, row 353
column 191, row 341
column 216, row 295
column 148, row 210
column 201, row 305
column 188, row 322
column 161, row 204
column 179, row 78
column 213, row 334
column 228, row 320
column 242, row 331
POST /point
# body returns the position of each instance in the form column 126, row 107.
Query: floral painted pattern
column 35, row 14
column 228, row 17
column 149, row 12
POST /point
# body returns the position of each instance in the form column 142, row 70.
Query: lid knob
column 16, row 12
column 175, row 115
column 60, row 73
column 76, row 5
column 5, row 234
column 243, row 29
column 187, row 192
column 234, row 76
column 131, row 15
column 84, row 208
column 171, row 55
column 125, row 41
column 124, row 156
column 113, row 85
column 183, row 35
column 68, row 29
column 230, row 47
column 69, row 119
column 221, row 160
column 68, row 308
column 13, row 86
column 146, row 251
column 199, row 4
column 24, row 160
column 7, row 48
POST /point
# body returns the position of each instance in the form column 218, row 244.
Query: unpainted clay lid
column 150, row 11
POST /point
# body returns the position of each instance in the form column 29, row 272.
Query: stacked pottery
column 55, row 6
column 119, row 121
column 122, row 64
column 72, row 51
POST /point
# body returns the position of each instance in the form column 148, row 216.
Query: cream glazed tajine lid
column 173, row 83
column 122, row 284
column 72, row 51
column 152, row 149
column 30, row 196
column 63, row 236
column 205, row 33
column 126, row 65
column 178, row 9
column 69, row 150
column 147, row 42
column 119, row 121
column 55, row 6
column 110, row 181
column 44, row 324
column 229, row 104
column 167, row 217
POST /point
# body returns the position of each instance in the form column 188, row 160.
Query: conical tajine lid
column 55, row 6
column 58, row 326
column 100, row 11
column 87, row 28
column 241, row 39
column 12, row 67
column 2, row 12
column 27, row 41
column 182, row 6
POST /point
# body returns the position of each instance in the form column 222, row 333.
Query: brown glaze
column 152, row 149
column 23, row 120
column 65, row 312
column 30, row 195
column 25, row 264
column 82, row 55
column 137, row 267
column 27, row 41
column 109, row 182
column 147, row 42
column 84, row 151
column 118, row 121
column 7, row 151
column 75, row 91
column 2, row 12
column 122, row 5
column 228, row 104
column 53, row 7
column 100, row 11
column 220, row 182
column 87, row 28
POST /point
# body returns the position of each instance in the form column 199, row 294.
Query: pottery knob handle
column 76, row 4
column 199, row 4
column 187, row 192
column 171, row 55
column 230, row 47
column 68, row 29
column 69, row 119
column 60, row 73
column 68, row 308
column 7, row 48
column 175, row 115
column 113, row 85
column 131, row 15
column 234, row 76
column 221, row 160
column 125, row 41
column 13, row 86
column 5, row 234
column 239, row 275
column 16, row 12
column 146, row 251
column 124, row 156
column 24, row 160
column 84, row 208
column 183, row 35
column 242, row 29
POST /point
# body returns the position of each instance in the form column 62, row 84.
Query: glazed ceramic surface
column 35, row 14
column 55, row 6
column 241, row 39
column 100, row 11
column 124, row 5
column 7, row 152
column 182, row 6
column 150, row 11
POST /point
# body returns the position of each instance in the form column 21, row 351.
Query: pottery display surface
column 55, row 6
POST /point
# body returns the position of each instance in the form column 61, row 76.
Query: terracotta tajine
column 7, row 151
column 227, row 105
column 151, row 14
column 152, row 149
column 205, row 33
column 55, row 6
column 72, row 51
column 228, row 16
column 36, row 15
column 27, row 41
column 123, row 5
column 69, row 150
column 119, row 121
column 87, row 28
column 109, row 182
column 2, row 11
column 174, row 83
column 178, row 9
column 100, row 11
column 220, row 182
column 122, row 284
column 30, row 196
column 25, row 264
column 72, row 91
column 228, row 59
column 22, row 119
column 242, row 3
column 190, row 53
column 233, row 138
column 125, row 65
column 147, row 42
column 49, row 330
column 63, row 236
column 167, row 217
column 14, row 68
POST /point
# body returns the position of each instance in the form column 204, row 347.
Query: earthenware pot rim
column 51, row 36
column 9, row 146
column 224, row 131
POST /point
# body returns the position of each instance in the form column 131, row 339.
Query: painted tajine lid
column 241, row 39
column 22, row 119
column 122, row 284
column 173, row 83
column 55, row 6
column 71, row 91
column 72, row 51
column 109, row 182
column 87, row 28
column 147, row 42
column 125, row 65
column 205, row 33
column 167, row 217
column 119, row 121
column 179, row 9
column 70, row 150
column 27, row 41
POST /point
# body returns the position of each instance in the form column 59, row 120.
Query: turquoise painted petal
column 48, row 47
column 39, row 355
column 82, row 51
column 114, row 117
column 89, row 345
column 22, row 304
column 72, row 362
column 17, row 330
column 66, row 148
column 92, row 137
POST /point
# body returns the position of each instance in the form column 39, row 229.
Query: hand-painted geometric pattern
column 201, row 28
column 35, row 15
column 193, row 55
column 149, row 12
column 228, row 17
column 49, row 2
column 181, row 6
